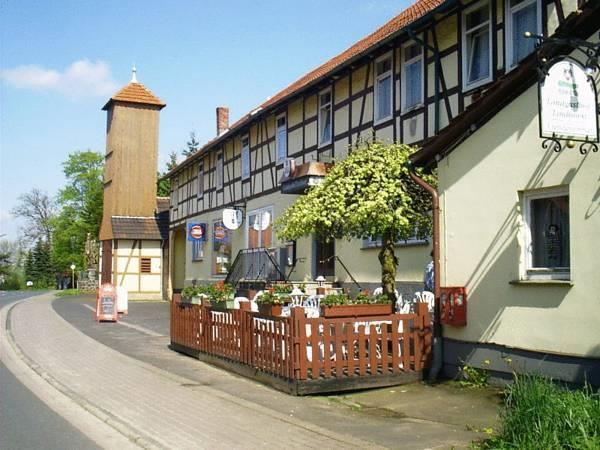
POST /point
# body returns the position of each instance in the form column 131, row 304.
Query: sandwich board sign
column 106, row 304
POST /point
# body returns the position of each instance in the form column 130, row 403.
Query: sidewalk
column 162, row 399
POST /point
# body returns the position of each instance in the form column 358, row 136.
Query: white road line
column 132, row 326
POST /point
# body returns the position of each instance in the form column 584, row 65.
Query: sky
column 60, row 61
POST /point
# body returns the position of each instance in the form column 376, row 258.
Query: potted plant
column 271, row 304
column 341, row 305
column 221, row 296
column 192, row 294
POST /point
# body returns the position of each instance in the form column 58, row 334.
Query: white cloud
column 82, row 78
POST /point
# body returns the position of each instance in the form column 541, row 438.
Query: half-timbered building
column 404, row 82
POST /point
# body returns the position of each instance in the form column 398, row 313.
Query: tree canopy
column 368, row 194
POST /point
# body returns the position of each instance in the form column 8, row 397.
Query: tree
column 163, row 185
column 81, row 203
column 370, row 193
column 192, row 145
column 37, row 209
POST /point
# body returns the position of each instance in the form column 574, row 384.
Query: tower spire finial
column 133, row 74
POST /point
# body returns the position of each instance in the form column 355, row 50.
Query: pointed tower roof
column 135, row 92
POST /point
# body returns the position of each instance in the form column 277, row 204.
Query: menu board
column 106, row 304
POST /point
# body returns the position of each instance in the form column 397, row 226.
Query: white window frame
column 322, row 108
column 245, row 156
column 219, row 175
column 528, row 272
column 403, row 75
column 464, row 31
column 281, row 144
column 508, row 42
column 379, row 76
column 268, row 209
column 200, row 181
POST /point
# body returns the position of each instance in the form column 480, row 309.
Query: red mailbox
column 106, row 303
column 453, row 302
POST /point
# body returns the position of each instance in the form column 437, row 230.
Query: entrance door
column 324, row 258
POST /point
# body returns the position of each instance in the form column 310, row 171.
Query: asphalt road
column 25, row 421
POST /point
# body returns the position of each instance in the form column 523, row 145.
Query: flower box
column 269, row 309
column 377, row 309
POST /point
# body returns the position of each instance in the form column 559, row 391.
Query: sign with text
column 106, row 304
column 196, row 231
column 232, row 218
column 568, row 103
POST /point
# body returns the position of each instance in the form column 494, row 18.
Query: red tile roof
column 136, row 93
column 419, row 9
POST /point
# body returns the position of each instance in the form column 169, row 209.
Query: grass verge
column 540, row 414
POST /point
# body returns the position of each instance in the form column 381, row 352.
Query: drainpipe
column 437, row 327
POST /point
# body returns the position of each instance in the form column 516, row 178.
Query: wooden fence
column 301, row 355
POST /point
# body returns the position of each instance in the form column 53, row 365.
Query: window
column 197, row 250
column 219, row 174
column 281, row 138
column 521, row 16
column 146, row 265
column 325, row 117
column 383, row 88
column 259, row 228
column 175, row 193
column 221, row 248
column 375, row 242
column 547, row 253
column 412, row 75
column 477, row 45
column 245, row 158
column 200, row 181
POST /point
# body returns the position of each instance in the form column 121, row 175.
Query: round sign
column 219, row 233
column 197, row 232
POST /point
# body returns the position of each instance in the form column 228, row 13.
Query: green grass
column 540, row 414
column 68, row 292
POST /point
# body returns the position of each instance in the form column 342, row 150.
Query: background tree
column 192, row 145
column 81, row 203
column 163, row 186
column 37, row 210
column 369, row 194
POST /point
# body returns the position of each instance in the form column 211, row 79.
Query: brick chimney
column 222, row 119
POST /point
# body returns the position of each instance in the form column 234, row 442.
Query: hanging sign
column 289, row 167
column 220, row 233
column 232, row 218
column 196, row 231
column 568, row 103
column 262, row 221
column 106, row 304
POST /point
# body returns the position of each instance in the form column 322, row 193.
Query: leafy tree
column 192, row 145
column 81, row 203
column 37, row 210
column 163, row 186
column 370, row 193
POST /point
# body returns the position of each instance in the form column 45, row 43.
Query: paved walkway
column 151, row 406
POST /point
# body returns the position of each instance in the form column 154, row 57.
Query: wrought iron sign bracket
column 587, row 55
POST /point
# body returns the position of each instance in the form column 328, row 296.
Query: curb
column 104, row 416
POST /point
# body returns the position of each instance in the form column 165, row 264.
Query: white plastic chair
column 426, row 297
column 312, row 306
column 238, row 300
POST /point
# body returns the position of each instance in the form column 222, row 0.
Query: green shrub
column 540, row 414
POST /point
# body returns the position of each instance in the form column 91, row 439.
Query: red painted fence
column 297, row 348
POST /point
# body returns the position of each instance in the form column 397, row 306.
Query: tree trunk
column 389, row 262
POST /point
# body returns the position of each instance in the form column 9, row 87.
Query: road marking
column 132, row 326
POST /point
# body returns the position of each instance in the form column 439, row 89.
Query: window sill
column 541, row 282
column 422, row 243
column 412, row 108
column 470, row 89
column 383, row 120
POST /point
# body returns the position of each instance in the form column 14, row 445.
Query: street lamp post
column 73, row 276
